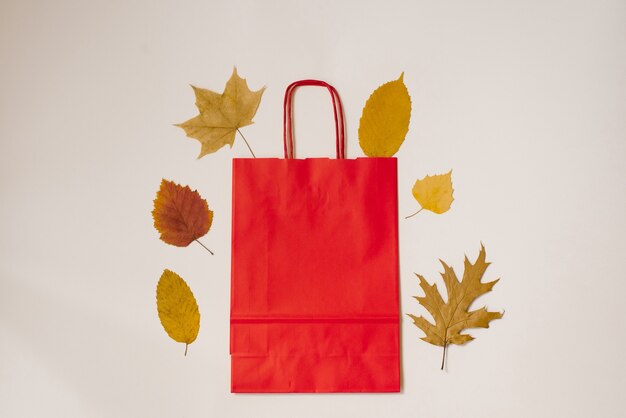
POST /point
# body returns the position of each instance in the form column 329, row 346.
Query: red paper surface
column 314, row 296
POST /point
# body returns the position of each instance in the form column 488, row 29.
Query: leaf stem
column 205, row 247
column 186, row 345
column 244, row 140
column 413, row 214
column 443, row 360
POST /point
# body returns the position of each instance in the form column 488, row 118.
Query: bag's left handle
column 288, row 117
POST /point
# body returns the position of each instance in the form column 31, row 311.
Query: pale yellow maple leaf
column 221, row 115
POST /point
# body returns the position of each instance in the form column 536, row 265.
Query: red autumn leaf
column 180, row 215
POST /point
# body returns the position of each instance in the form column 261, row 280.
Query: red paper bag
column 314, row 296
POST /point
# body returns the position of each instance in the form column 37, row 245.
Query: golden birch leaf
column 180, row 215
column 434, row 193
column 453, row 316
column 385, row 119
column 221, row 115
column 177, row 307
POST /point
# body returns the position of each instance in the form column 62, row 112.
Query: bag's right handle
column 288, row 118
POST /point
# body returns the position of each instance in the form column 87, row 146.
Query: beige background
column 524, row 100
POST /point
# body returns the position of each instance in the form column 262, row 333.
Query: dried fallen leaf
column 434, row 193
column 385, row 119
column 177, row 307
column 452, row 317
column 221, row 115
column 181, row 215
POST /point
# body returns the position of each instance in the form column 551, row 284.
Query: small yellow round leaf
column 434, row 193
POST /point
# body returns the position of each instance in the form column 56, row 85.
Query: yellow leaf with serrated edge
column 221, row 115
column 177, row 307
column 385, row 119
column 434, row 193
column 453, row 316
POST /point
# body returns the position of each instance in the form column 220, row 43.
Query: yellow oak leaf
column 453, row 316
column 221, row 115
column 177, row 307
column 385, row 119
column 434, row 193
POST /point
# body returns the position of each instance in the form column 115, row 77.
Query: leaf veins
column 454, row 316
